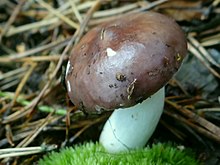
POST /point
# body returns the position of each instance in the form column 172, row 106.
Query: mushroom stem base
column 131, row 128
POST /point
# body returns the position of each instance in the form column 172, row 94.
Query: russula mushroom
column 123, row 66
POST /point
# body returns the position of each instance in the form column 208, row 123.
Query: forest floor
column 36, row 38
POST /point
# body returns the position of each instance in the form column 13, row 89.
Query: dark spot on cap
column 122, row 96
column 120, row 77
column 111, row 85
column 167, row 45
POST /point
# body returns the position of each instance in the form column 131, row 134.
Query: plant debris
column 36, row 38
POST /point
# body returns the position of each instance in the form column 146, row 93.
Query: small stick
column 58, row 14
column 31, row 26
column 25, row 142
column 12, row 18
column 86, row 127
column 9, row 135
column 203, row 51
column 75, row 11
column 211, row 40
column 22, row 83
column 33, row 59
column 195, row 127
column 12, row 73
column 62, row 43
column 196, row 118
column 116, row 11
column 202, row 60
column 14, row 152
column 173, row 130
column 86, row 19
column 151, row 5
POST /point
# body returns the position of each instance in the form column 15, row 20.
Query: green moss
column 94, row 154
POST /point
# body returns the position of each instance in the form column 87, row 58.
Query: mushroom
column 123, row 65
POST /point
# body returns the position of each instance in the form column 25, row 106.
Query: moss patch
column 95, row 154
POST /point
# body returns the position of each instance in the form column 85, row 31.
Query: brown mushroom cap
column 123, row 62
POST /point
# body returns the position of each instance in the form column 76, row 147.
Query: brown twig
column 12, row 18
column 196, row 118
column 51, row 45
column 195, row 127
